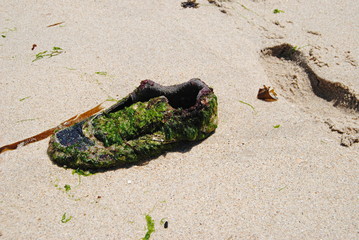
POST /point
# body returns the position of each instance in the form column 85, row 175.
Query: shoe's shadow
column 182, row 147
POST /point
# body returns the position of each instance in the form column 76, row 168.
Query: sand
column 249, row 180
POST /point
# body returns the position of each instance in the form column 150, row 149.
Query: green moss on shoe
column 131, row 122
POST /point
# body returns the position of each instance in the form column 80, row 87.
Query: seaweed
column 65, row 219
column 101, row 73
column 22, row 99
column 254, row 110
column 81, row 172
column 67, row 187
column 7, row 31
column 47, row 133
column 150, row 227
column 54, row 52
column 275, row 11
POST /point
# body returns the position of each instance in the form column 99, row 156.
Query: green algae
column 81, row 172
column 275, row 11
column 101, row 73
column 116, row 128
column 254, row 110
column 22, row 99
column 54, row 52
column 150, row 227
column 7, row 31
column 65, row 219
column 67, row 187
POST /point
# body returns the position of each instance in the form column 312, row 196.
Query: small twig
column 55, row 24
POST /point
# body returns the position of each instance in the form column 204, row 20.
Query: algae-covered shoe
column 148, row 122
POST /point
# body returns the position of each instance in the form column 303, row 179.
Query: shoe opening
column 182, row 96
column 185, row 97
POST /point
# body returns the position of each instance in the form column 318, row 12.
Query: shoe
column 148, row 122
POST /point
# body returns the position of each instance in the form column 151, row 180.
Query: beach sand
column 272, row 170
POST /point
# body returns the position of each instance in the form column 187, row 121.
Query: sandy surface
column 247, row 181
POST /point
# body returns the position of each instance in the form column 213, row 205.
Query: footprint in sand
column 332, row 102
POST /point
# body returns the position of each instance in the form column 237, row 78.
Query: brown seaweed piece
column 55, row 24
column 49, row 132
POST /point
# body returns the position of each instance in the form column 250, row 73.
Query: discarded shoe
column 148, row 122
